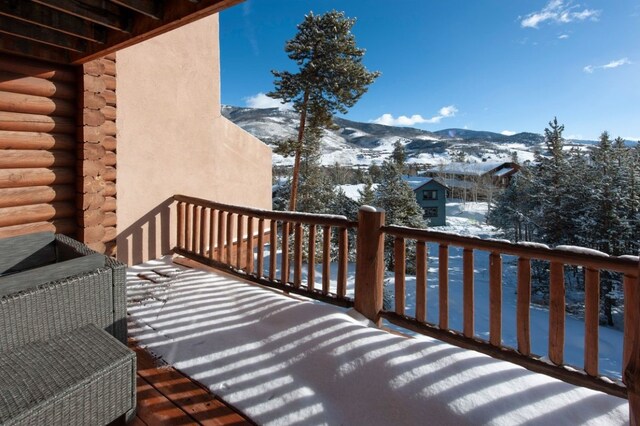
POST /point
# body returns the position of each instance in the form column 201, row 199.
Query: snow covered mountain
column 355, row 143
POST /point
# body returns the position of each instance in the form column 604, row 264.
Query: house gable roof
column 417, row 182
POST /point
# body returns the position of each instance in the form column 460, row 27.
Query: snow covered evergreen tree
column 399, row 203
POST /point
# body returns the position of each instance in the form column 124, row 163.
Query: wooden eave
column 78, row 31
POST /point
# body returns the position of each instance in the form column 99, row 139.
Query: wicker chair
column 59, row 297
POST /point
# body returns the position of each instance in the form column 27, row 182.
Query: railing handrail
column 624, row 264
column 295, row 217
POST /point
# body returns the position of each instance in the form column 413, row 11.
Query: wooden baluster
column 421, row 281
column 591, row 320
column 203, row 231
column 222, row 231
column 196, row 229
column 631, row 317
column 556, row 313
column 212, row 233
column 181, row 225
column 188, row 245
column 631, row 366
column 495, row 299
column 273, row 241
column 400, row 263
column 523, row 306
column 343, row 261
column 229, row 248
column 284, row 273
column 326, row 258
column 443, row 286
column 260, row 265
column 239, row 239
column 311, row 261
column 297, row 255
column 249, row 261
column 467, row 296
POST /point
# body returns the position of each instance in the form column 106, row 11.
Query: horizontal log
column 88, row 218
column 30, row 104
column 90, row 185
column 109, row 66
column 110, row 96
column 93, row 84
column 110, row 82
column 110, row 219
column 109, row 128
column 90, row 168
column 92, row 117
column 90, row 151
column 93, row 100
column 92, row 134
column 23, row 159
column 62, row 226
column 16, row 83
column 110, row 234
column 98, row 246
column 110, row 174
column 20, row 215
column 13, row 197
column 110, row 158
column 313, row 219
column 110, row 143
column 553, row 255
column 36, row 140
column 19, row 122
column 109, row 112
column 110, row 189
column 33, row 68
column 92, row 234
column 90, row 201
column 94, row 68
column 18, row 178
column 109, row 204
column 111, row 56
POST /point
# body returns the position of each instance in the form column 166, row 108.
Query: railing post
column 370, row 263
column 632, row 369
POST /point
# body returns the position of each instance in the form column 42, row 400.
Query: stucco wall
column 173, row 140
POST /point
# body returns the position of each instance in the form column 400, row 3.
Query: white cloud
column 507, row 133
column 263, row 101
column 613, row 64
column 403, row 120
column 559, row 12
column 563, row 36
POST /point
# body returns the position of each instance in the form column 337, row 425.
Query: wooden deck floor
column 167, row 397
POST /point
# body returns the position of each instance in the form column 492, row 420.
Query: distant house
column 473, row 181
column 431, row 196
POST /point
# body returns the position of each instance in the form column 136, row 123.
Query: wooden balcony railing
column 592, row 264
column 233, row 239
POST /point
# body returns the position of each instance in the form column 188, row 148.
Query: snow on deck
column 284, row 361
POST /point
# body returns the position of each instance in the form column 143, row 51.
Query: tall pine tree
column 331, row 77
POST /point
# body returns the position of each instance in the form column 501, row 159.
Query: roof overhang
column 75, row 32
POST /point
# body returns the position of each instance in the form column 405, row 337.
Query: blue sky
column 497, row 65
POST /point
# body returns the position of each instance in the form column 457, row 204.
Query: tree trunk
column 296, row 164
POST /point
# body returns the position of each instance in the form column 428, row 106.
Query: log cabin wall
column 38, row 113
column 96, row 185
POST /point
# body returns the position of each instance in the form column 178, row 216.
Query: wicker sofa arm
column 119, row 276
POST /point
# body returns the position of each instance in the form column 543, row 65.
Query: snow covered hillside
column 361, row 144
